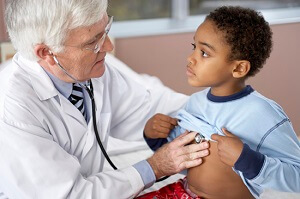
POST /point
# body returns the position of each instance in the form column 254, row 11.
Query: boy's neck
column 226, row 90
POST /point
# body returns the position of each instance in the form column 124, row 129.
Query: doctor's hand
column 177, row 155
column 229, row 147
column 159, row 126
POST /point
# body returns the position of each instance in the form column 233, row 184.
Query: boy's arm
column 281, row 167
column 155, row 144
column 159, row 130
column 159, row 126
column 275, row 164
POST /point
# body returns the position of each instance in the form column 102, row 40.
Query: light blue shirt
column 271, row 155
column 143, row 167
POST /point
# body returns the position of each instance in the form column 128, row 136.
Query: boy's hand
column 159, row 126
column 229, row 147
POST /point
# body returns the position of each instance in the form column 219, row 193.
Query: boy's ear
column 43, row 53
column 241, row 69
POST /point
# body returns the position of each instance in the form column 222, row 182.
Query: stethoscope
column 90, row 91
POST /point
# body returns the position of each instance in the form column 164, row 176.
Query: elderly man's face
column 78, row 58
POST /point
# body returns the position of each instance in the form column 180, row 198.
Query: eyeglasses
column 101, row 40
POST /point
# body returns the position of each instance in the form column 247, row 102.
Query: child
column 231, row 45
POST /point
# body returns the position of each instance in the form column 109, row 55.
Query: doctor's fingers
column 193, row 151
column 192, row 161
column 183, row 139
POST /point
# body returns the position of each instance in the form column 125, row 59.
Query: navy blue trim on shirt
column 250, row 162
column 246, row 91
column 155, row 144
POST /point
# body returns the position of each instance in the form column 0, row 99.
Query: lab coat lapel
column 71, row 110
column 45, row 89
column 98, row 96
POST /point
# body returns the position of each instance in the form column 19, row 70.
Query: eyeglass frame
column 100, row 42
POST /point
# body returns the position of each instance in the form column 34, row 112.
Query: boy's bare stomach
column 215, row 180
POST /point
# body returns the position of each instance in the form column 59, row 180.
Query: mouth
column 101, row 61
column 189, row 71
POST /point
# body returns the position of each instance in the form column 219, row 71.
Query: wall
column 3, row 34
column 165, row 56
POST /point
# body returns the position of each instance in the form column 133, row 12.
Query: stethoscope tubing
column 91, row 94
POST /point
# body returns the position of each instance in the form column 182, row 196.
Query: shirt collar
column 246, row 91
column 64, row 88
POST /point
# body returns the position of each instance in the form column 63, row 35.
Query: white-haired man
column 50, row 130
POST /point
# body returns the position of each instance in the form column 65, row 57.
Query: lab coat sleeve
column 281, row 168
column 32, row 165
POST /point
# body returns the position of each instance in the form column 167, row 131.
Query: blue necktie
column 76, row 98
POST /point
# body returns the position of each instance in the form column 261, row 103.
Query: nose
column 189, row 60
column 107, row 46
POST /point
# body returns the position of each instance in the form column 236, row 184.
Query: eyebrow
column 208, row 45
column 93, row 38
column 96, row 36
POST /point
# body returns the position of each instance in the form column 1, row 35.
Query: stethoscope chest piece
column 199, row 138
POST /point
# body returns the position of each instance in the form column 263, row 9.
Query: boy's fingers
column 216, row 137
column 167, row 125
column 173, row 121
column 160, row 129
column 227, row 133
column 168, row 119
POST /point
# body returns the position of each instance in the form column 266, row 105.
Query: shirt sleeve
column 250, row 162
column 280, row 167
column 155, row 144
column 146, row 172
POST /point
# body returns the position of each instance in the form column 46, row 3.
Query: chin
column 194, row 83
column 98, row 70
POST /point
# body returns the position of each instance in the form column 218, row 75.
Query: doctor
column 48, row 136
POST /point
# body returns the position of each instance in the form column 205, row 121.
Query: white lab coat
column 47, row 150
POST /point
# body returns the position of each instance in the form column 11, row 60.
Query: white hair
column 32, row 22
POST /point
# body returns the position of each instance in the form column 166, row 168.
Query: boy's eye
column 204, row 54
column 194, row 46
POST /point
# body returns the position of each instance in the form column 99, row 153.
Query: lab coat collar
column 45, row 89
column 41, row 82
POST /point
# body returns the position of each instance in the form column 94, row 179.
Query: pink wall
column 165, row 56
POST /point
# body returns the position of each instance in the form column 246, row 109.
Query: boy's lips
column 189, row 71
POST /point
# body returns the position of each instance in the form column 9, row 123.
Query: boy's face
column 208, row 64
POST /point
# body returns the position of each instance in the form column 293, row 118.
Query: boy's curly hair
column 246, row 32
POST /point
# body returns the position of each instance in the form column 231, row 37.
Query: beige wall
column 165, row 56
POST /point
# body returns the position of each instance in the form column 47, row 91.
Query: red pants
column 171, row 191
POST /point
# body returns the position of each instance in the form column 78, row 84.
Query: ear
column 241, row 68
column 43, row 53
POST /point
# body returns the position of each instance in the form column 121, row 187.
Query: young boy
column 231, row 45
